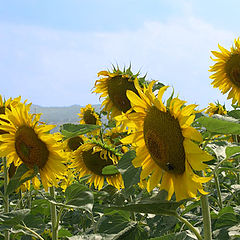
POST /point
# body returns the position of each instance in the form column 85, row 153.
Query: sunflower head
column 73, row 143
column 9, row 103
column 163, row 140
column 216, row 108
column 226, row 70
column 91, row 158
column 113, row 86
column 89, row 116
column 29, row 142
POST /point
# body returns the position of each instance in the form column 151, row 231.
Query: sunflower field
column 147, row 166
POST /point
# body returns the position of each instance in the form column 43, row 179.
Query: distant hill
column 60, row 115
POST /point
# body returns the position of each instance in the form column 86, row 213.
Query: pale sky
column 52, row 50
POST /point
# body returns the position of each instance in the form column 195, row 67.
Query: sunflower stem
column 190, row 226
column 207, row 229
column 218, row 190
column 53, row 215
column 6, row 197
column 31, row 231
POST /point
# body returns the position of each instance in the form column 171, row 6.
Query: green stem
column 218, row 190
column 31, row 231
column 53, row 216
column 190, row 226
column 206, row 218
column 6, row 197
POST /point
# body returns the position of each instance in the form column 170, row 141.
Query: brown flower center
column 117, row 88
column 232, row 69
column 164, row 140
column 89, row 118
column 30, row 149
column 95, row 163
column 74, row 143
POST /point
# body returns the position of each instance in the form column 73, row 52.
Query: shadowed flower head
column 112, row 87
column 90, row 159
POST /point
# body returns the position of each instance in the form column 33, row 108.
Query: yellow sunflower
column 216, row 109
column 113, row 86
column 226, row 70
column 7, row 104
column 164, row 143
column 90, row 159
column 89, row 116
column 73, row 143
column 29, row 142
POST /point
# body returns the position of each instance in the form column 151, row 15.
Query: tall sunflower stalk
column 6, row 197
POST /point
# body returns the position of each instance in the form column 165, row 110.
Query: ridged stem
column 53, row 215
column 190, row 226
column 6, row 197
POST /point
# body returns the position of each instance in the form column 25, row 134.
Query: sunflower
column 7, row 104
column 226, row 70
column 113, row 86
column 73, row 143
column 90, row 159
column 89, row 116
column 216, row 108
column 27, row 141
column 163, row 141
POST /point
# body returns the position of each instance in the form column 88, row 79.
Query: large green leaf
column 234, row 114
column 70, row 130
column 130, row 174
column 173, row 236
column 97, row 236
column 18, row 179
column 109, row 170
column 220, row 125
column 9, row 220
column 232, row 151
column 226, row 218
column 153, row 205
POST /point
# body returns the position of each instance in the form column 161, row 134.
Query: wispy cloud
column 51, row 67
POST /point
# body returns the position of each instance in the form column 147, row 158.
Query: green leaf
column 234, row 114
column 110, row 170
column 153, row 205
column 220, row 124
column 96, row 236
column 130, row 174
column 172, row 236
column 64, row 233
column 17, row 180
column 78, row 196
column 70, row 130
column 232, row 151
column 226, row 218
column 113, row 221
column 8, row 220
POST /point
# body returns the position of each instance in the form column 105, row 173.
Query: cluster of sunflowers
column 168, row 148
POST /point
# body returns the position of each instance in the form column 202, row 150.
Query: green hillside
column 60, row 115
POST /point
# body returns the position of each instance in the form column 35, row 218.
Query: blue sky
column 51, row 51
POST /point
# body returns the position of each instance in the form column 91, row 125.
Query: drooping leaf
column 70, row 130
column 153, row 205
column 234, row 114
column 232, row 151
column 110, row 170
column 97, row 236
column 220, row 124
column 9, row 220
column 18, row 179
column 130, row 174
